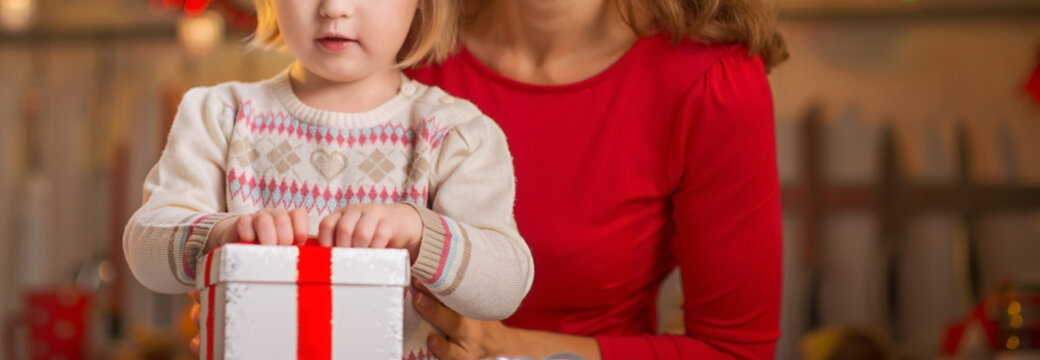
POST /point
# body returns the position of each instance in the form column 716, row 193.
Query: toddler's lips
column 336, row 43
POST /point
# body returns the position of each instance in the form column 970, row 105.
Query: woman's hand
column 268, row 226
column 466, row 338
column 476, row 339
column 373, row 226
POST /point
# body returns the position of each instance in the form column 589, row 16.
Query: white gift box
column 309, row 302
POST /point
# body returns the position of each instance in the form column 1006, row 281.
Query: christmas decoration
column 238, row 14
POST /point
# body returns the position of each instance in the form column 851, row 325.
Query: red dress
column 667, row 158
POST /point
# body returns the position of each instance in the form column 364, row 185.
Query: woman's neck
column 344, row 96
column 548, row 41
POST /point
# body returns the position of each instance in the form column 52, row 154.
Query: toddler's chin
column 340, row 72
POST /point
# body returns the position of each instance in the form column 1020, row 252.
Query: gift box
column 306, row 302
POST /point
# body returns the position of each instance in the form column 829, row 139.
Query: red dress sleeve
column 726, row 209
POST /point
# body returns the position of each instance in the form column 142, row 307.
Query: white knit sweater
column 235, row 148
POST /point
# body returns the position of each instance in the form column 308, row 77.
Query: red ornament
column 235, row 13
column 195, row 7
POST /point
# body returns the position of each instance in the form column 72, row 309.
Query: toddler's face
column 345, row 40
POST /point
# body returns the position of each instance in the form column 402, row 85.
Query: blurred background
column 908, row 142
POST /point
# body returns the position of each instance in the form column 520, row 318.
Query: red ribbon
column 209, row 311
column 313, row 304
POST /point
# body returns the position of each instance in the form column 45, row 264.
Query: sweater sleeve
column 472, row 256
column 183, row 196
column 727, row 213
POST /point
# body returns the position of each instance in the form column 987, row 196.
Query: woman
column 637, row 148
column 642, row 135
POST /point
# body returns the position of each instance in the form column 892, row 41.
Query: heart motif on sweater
column 328, row 164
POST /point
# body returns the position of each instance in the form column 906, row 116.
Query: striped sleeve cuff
column 188, row 245
column 444, row 254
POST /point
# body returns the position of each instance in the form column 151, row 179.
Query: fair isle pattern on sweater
column 280, row 149
column 322, row 200
column 280, row 122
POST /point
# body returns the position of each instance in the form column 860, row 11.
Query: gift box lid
column 281, row 265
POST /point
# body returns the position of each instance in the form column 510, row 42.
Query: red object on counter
column 56, row 320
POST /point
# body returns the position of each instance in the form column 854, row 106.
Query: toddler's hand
column 373, row 226
column 269, row 226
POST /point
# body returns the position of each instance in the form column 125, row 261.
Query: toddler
column 343, row 147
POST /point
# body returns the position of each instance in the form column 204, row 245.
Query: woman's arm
column 726, row 208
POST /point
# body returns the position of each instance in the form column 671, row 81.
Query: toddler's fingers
column 300, row 225
column 283, row 227
column 382, row 235
column 345, row 227
column 244, row 228
column 264, row 226
column 366, row 228
column 327, row 229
